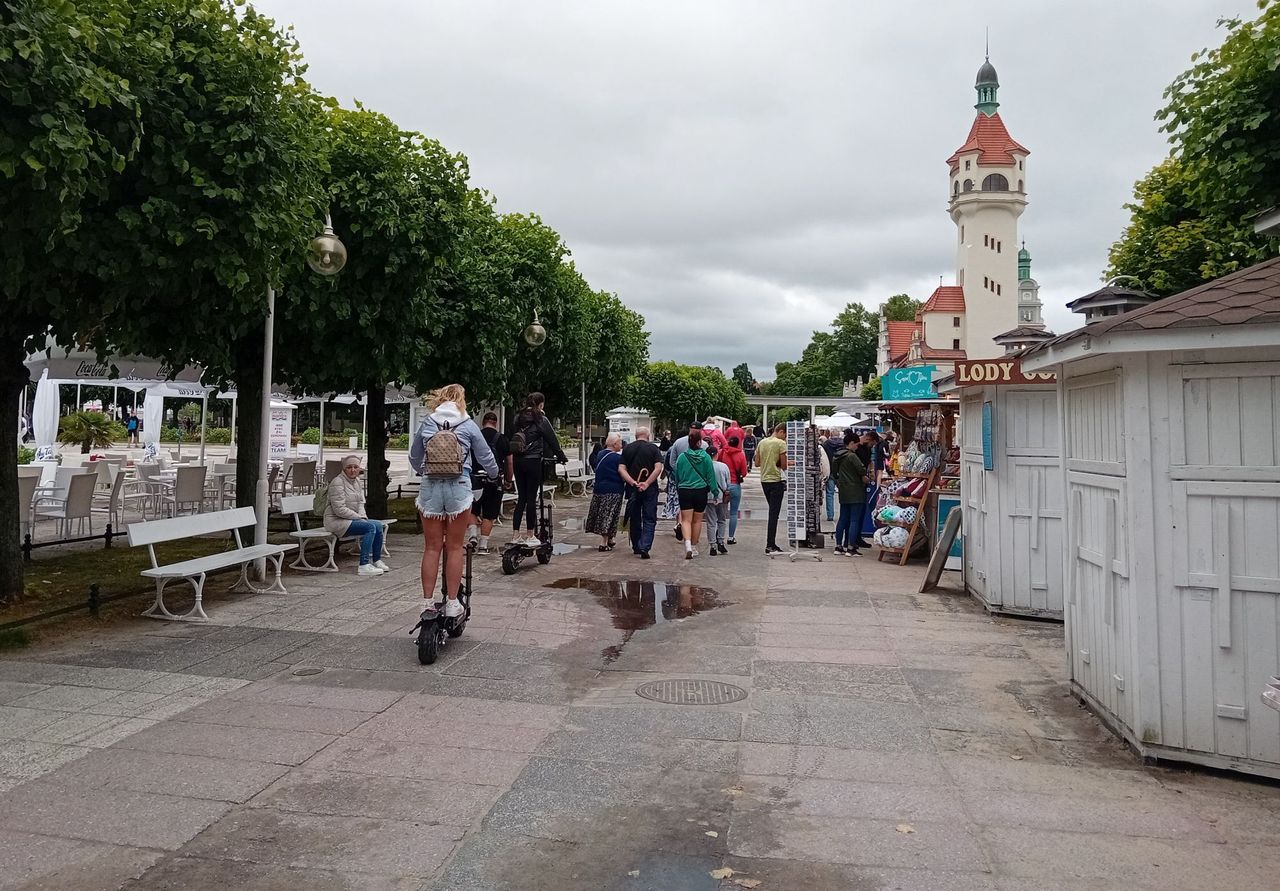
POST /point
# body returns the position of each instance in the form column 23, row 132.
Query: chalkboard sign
column 988, row 452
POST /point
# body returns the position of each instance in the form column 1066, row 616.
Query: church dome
column 987, row 75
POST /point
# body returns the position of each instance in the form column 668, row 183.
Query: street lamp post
column 326, row 255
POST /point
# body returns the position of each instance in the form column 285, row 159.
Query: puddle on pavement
column 564, row 548
column 636, row 605
column 572, row 524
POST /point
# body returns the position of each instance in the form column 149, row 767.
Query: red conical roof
column 989, row 137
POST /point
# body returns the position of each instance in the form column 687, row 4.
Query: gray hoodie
column 469, row 435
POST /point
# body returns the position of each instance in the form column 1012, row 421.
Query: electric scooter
column 515, row 554
column 434, row 627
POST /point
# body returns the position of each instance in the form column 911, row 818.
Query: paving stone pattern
column 889, row 740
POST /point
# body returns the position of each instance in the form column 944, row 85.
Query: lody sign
column 970, row 372
column 902, row 384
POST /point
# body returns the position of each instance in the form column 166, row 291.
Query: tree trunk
column 377, row 464
column 13, row 377
column 248, row 418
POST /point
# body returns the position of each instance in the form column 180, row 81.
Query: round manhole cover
column 691, row 692
column 307, row 672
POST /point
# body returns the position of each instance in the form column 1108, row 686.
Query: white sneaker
column 384, row 567
column 483, row 549
column 368, row 569
column 453, row 609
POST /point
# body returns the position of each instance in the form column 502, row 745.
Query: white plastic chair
column 110, row 503
column 187, row 488
column 77, row 505
column 26, row 500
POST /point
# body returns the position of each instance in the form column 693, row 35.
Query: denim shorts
column 444, row 499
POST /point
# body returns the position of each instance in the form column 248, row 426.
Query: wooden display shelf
column 914, row 528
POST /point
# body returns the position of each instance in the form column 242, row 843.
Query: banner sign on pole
column 988, row 446
column 903, row 384
column 281, row 432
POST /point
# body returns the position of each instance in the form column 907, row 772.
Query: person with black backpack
column 533, row 440
column 443, row 451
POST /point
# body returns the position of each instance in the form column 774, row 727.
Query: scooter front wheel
column 544, row 556
column 510, row 563
column 428, row 646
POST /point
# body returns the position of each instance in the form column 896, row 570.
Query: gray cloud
column 739, row 171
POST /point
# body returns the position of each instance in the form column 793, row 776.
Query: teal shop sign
column 988, row 440
column 899, row 384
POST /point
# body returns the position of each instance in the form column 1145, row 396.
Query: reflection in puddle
column 636, row 605
column 564, row 548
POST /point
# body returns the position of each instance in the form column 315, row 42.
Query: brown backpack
column 444, row 455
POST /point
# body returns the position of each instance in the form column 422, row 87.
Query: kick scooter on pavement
column 516, row 553
column 434, row 627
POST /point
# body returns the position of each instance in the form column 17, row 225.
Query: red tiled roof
column 900, row 334
column 928, row 352
column 989, row 137
column 947, row 298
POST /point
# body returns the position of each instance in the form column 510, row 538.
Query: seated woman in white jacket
column 345, row 515
column 444, row 499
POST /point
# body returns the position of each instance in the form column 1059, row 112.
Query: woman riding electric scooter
column 442, row 451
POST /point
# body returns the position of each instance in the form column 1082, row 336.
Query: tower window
column 1019, row 165
column 998, row 243
column 1020, row 189
column 985, row 242
column 955, row 188
column 955, row 344
column 986, row 282
column 995, row 182
column 966, row 165
column 968, row 185
column 955, row 321
column 997, row 289
column 962, row 233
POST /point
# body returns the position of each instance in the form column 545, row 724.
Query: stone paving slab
column 218, row 741
column 138, row 819
column 47, row 863
column 161, row 773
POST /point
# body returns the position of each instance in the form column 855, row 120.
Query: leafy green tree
column 69, row 122
column 871, row 390
column 1223, row 117
column 678, row 394
column 900, row 308
column 832, row 357
column 158, row 158
column 1171, row 244
column 1190, row 217
column 400, row 199
column 745, row 381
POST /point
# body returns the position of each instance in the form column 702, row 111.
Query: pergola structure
column 856, row 407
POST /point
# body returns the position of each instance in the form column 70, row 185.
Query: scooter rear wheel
column 428, row 646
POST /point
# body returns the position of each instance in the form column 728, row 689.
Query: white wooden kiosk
column 1011, row 486
column 1170, row 421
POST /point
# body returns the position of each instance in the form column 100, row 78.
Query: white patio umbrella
column 44, row 412
column 153, row 414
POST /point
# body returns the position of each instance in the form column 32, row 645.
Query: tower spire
column 987, row 83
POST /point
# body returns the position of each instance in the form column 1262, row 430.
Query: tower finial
column 987, row 53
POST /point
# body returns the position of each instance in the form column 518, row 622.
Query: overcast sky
column 739, row 171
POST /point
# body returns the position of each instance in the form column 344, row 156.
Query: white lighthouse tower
column 988, row 194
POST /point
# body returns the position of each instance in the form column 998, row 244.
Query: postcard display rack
column 804, row 486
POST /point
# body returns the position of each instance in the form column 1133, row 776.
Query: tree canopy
column 1190, row 217
column 676, row 394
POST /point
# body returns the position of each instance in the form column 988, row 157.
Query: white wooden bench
column 194, row 571
column 300, row 505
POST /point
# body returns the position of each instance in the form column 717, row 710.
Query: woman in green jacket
column 850, row 475
column 695, row 480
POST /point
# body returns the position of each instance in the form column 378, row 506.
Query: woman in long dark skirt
column 606, row 498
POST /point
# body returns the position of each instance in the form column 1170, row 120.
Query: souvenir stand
column 1012, row 532
column 906, row 512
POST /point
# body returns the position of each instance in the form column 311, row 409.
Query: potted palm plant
column 90, row 430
